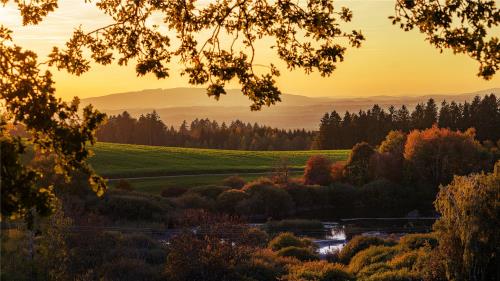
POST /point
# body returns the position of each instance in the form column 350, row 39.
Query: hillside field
column 126, row 161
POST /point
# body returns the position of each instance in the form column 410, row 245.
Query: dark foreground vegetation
column 74, row 243
column 200, row 233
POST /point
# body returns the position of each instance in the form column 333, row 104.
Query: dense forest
column 372, row 126
column 201, row 133
column 335, row 131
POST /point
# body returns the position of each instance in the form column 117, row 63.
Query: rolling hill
column 294, row 112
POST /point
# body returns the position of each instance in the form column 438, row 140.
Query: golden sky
column 390, row 61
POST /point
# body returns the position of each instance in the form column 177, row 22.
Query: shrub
column 384, row 198
column 256, row 237
column 174, row 191
column 265, row 198
column 318, row 170
column 318, row 271
column 266, row 265
column 404, row 260
column 124, row 185
column 302, row 254
column 373, row 269
column 229, row 199
column 418, row 240
column 208, row 191
column 395, row 275
column 194, row 201
column 357, row 244
column 287, row 239
column 134, row 206
column 337, row 172
column 294, row 225
column 234, row 182
column 373, row 254
column 357, row 169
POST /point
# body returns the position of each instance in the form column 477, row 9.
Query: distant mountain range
column 294, row 112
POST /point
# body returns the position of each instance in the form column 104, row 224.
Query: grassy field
column 190, row 166
column 123, row 160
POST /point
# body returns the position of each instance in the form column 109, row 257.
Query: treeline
column 149, row 129
column 372, row 126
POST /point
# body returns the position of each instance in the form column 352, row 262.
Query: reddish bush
column 337, row 173
column 318, row 170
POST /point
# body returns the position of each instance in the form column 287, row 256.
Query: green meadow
column 135, row 161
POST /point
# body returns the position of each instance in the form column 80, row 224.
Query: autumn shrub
column 229, row 199
column 437, row 154
column 194, row 201
column 124, row 185
column 174, row 191
column 287, row 239
column 418, row 240
column 255, row 237
column 266, row 199
column 357, row 244
column 300, row 253
column 338, row 172
column 318, row 271
column 395, row 275
column 318, row 170
column 371, row 255
column 234, row 182
column 372, row 269
column 404, row 260
column 266, row 265
column 208, row 191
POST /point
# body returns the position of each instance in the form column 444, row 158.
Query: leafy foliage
column 464, row 26
column 468, row 226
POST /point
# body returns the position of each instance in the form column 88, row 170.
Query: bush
column 194, row 201
column 255, row 237
column 374, row 254
column 318, row 271
column 134, row 206
column 395, row 275
column 295, row 226
column 358, row 244
column 318, row 170
column 418, row 240
column 338, row 172
column 229, row 199
column 265, row 265
column 124, row 185
column 208, row 191
column 287, row 239
column 302, row 254
column 234, row 182
column 384, row 198
column 357, row 169
column 174, row 191
column 404, row 260
column 265, row 198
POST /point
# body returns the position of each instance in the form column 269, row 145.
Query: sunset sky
column 390, row 61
